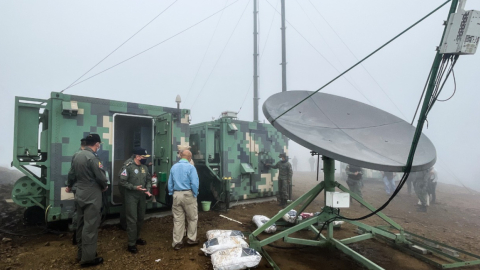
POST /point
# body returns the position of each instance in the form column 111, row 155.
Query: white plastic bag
column 290, row 216
column 222, row 243
column 224, row 233
column 236, row 258
column 259, row 220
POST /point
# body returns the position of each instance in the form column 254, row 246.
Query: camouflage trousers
column 283, row 187
column 420, row 187
column 355, row 186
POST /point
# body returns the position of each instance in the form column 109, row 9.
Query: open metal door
column 163, row 155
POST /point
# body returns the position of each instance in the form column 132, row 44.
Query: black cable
column 144, row 51
column 423, row 93
column 205, row 54
column 351, row 52
column 218, row 59
column 280, row 247
column 324, row 58
column 119, row 46
column 22, row 234
column 454, row 89
column 358, row 63
column 438, row 80
column 443, row 84
column 259, row 60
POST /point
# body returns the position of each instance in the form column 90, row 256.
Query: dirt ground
column 454, row 219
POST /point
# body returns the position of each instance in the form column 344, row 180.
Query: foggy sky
column 47, row 45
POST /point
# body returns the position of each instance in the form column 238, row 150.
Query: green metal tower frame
column 393, row 233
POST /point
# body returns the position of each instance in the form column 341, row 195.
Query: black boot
column 132, row 249
column 96, row 261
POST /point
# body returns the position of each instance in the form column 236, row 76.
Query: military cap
column 140, row 151
column 83, row 139
column 282, row 155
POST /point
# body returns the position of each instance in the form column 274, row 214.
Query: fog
column 48, row 45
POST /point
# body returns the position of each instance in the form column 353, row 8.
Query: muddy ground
column 454, row 219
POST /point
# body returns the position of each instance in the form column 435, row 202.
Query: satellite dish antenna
column 348, row 131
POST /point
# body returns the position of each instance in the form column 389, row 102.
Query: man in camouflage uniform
column 354, row 179
column 285, row 174
column 137, row 182
column 420, row 182
column 87, row 169
column 72, row 183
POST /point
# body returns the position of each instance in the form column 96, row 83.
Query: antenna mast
column 284, row 54
column 255, row 61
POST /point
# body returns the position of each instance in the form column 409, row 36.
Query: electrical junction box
column 338, row 199
column 462, row 34
column 246, row 168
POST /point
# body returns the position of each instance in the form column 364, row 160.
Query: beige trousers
column 184, row 206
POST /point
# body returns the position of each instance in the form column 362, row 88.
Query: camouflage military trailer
column 48, row 133
column 231, row 156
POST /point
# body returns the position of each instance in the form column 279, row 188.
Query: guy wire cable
column 119, row 46
column 365, row 58
column 151, row 47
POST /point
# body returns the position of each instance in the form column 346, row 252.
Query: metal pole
column 329, row 181
column 255, row 61
column 428, row 94
column 284, row 54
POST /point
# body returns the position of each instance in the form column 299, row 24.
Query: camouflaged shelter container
column 230, row 156
column 48, row 133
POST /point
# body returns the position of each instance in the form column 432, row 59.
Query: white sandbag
column 224, row 233
column 336, row 224
column 216, row 244
column 259, row 220
column 290, row 216
column 236, row 258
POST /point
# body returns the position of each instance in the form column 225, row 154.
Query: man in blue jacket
column 183, row 185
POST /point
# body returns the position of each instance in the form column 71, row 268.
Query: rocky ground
column 455, row 220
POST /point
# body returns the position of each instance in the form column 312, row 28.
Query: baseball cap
column 93, row 138
column 140, row 151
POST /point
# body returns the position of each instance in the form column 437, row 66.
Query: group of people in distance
column 424, row 183
column 87, row 180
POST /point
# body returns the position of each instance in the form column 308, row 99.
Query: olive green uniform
column 354, row 182
column 72, row 184
column 123, row 218
column 285, row 174
column 87, row 169
column 134, row 175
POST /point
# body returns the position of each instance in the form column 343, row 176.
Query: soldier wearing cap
column 91, row 181
column 284, row 178
column 136, row 182
column 72, row 183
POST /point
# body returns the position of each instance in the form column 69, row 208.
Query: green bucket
column 206, row 205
